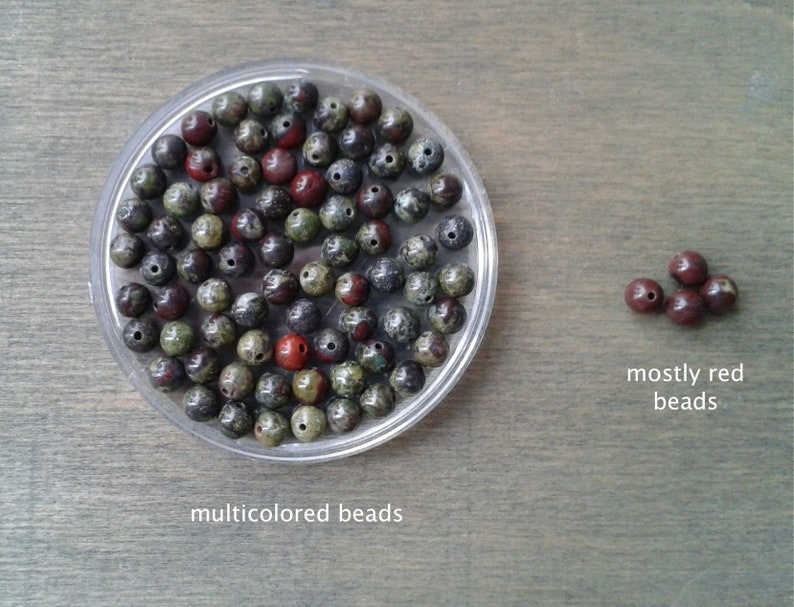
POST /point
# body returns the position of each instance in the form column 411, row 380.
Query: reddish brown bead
column 202, row 164
column 352, row 289
column 365, row 106
column 719, row 293
column 248, row 225
column 685, row 307
column 170, row 301
column 288, row 130
column 375, row 200
column 279, row 166
column 292, row 352
column 218, row 196
column 198, row 128
column 644, row 295
column 689, row 268
column 308, row 188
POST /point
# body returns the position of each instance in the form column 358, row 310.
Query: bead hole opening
column 651, row 296
column 302, row 427
column 137, row 336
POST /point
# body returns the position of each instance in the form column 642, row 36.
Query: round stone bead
column 352, row 289
column 308, row 188
column 292, row 352
column 338, row 213
column 236, row 259
column 249, row 310
column 644, row 295
column 456, row 279
column 386, row 275
column 202, row 164
column 374, row 237
column 218, row 196
column 320, row 149
column 719, row 293
column 264, row 99
column 425, row 156
column 157, row 268
column 132, row 299
column 288, row 130
column 234, row 419
column 134, row 215
column 279, row 166
column 254, row 347
column 201, row 403
column 358, row 323
column 169, row 151
column 302, row 225
column 181, row 200
column 229, row 108
column 170, row 301
column 330, row 345
column 208, row 232
column 274, row 202
column 407, row 378
column 343, row 415
column 401, row 324
column 126, row 250
column 166, row 373
column 411, row 205
column 375, row 200
column 141, row 334
column 430, row 349
column 339, row 250
column 689, row 268
column 218, row 330
column 198, row 128
column 685, row 307
column 194, row 265
column 375, row 356
column 280, row 286
column 419, row 252
column 275, row 250
column 303, row 316
column 420, row 288
column 365, row 106
column 348, row 379
column 301, row 96
column 454, row 232
column 214, row 295
column 317, row 279
column 330, row 115
column 308, row 423
column 309, row 386
column 394, row 125
column 377, row 400
column 387, row 161
column 203, row 365
column 248, row 225
column 148, row 181
column 236, row 381
column 166, row 233
column 445, row 190
column 245, row 173
column 273, row 391
column 356, row 142
column 271, row 428
column 251, row 136
column 344, row 176
column 447, row 315
column 177, row 338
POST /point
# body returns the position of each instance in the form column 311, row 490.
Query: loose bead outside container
column 719, row 293
column 254, row 347
column 280, row 286
column 689, row 268
column 236, row 381
column 644, row 295
column 685, row 307
column 308, row 423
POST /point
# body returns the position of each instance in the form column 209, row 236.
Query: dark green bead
column 411, row 205
column 203, row 365
column 251, row 136
column 254, row 347
column 264, row 99
column 420, row 288
column 214, row 295
column 407, row 378
column 375, row 356
column 271, row 428
column 447, row 315
column 157, row 268
column 302, row 225
column 320, row 149
column 208, row 232
column 194, row 265
column 181, row 200
column 126, row 250
column 430, row 349
column 454, row 232
column 148, row 181
column 309, row 386
column 236, row 381
column 235, row 419
column 338, row 213
column 218, row 330
column 275, row 202
column 201, row 403
column 377, row 400
column 387, row 161
column 445, row 190
column 308, row 423
column 386, row 275
column 134, row 215
column 141, row 334
column 348, row 379
column 339, row 250
column 245, row 173
column 419, row 251
column 330, row 115
column 229, row 108
column 317, row 279
column 177, row 338
column 394, row 125
column 456, row 279
column 343, row 415
column 249, row 310
column 273, row 390
column 166, row 373
column 401, row 324
column 344, row 176
column 425, row 156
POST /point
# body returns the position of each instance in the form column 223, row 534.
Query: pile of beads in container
column 290, row 262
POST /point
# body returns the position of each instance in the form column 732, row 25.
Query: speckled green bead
column 218, row 330
column 339, row 250
column 308, row 423
column 375, row 356
column 214, row 295
column 317, row 279
column 264, row 99
column 251, row 136
column 320, row 149
column 420, row 288
column 430, row 349
column 141, row 334
column 343, row 415
column 338, row 213
column 330, row 115
column 201, row 403
column 255, row 347
column 166, row 373
column 348, row 379
column 425, row 156
column 208, row 232
column 271, row 428
column 148, row 181
column 134, row 215
column 273, row 390
column 447, row 315
column 236, row 381
column 203, row 365
column 249, row 310
column 126, row 250
column 387, row 161
column 235, row 419
column 309, row 386
column 177, row 338
column 377, row 400
column 401, row 324
column 302, row 225
column 456, row 279
column 411, row 205
column 229, row 108
column 181, row 200
column 419, row 252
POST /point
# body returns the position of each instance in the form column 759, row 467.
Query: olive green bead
column 309, row 386
column 338, row 213
column 343, row 415
column 126, row 250
column 302, row 225
column 339, row 250
column 377, row 400
column 271, row 428
column 348, row 379
column 235, row 419
column 236, row 381
column 420, row 288
column 214, row 295
column 420, row 252
column 181, row 200
column 229, row 108
column 430, row 349
column 177, row 338
column 208, row 232
column 255, row 347
column 273, row 390
column 456, row 279
column 317, row 279
column 401, row 324
column 264, row 99
column 218, row 330
column 308, row 423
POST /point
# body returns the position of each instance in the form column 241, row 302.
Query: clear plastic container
column 480, row 255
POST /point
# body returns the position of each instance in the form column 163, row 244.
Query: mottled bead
column 689, row 268
column 288, row 130
column 425, row 156
column 134, row 215
column 194, row 265
column 229, row 108
column 218, row 330
column 375, row 356
column 377, row 400
column 320, row 149
column 254, row 347
column 330, row 345
column 177, row 338
column 308, row 423
column 275, row 250
column 364, row 106
column 279, row 166
column 273, row 390
column 214, row 295
column 170, row 301
column 234, row 419
column 141, row 334
column 166, row 373
column 308, row 188
column 202, row 164
column 309, row 386
column 445, row 190
column 248, row 225
column 317, row 278
column 303, row 316
column 394, row 125
column 719, row 293
column 456, row 279
column 301, row 96
column 251, row 136
column 166, row 233
column 430, row 349
column 203, row 365
column 236, row 259
column 126, row 250
column 132, row 299
column 344, row 176
column 419, row 252
column 274, row 202
column 420, row 288
column 292, row 352
column 348, row 379
column 685, row 307
column 330, row 115
column 644, row 295
column 280, row 286
column 181, row 200
column 302, row 225
column 375, row 200
column 352, row 289
column 401, row 324
column 411, row 205
column 249, row 310
column 337, row 213
column 148, row 181
column 447, row 315
column 198, row 128
column 218, row 196
column 208, row 232
column 157, row 268
column 339, row 250
column 454, row 232
column 387, row 161
column 264, row 99
column 201, row 403
column 374, row 237
column 271, row 428
column 169, row 151
column 356, row 142
column 386, row 275
column 343, row 415
column 407, row 378
column 236, row 381
column 245, row 173
column 358, row 323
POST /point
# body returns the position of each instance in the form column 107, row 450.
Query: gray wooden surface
column 609, row 135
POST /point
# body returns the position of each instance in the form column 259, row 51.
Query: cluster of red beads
column 698, row 292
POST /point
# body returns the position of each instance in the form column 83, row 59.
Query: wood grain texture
column 608, row 136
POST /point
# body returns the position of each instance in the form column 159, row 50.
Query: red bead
column 292, row 352
column 689, row 268
column 352, row 289
column 685, row 307
column 288, row 130
column 202, row 164
column 279, row 166
column 719, row 293
column 308, row 188
column 198, row 128
column 644, row 295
